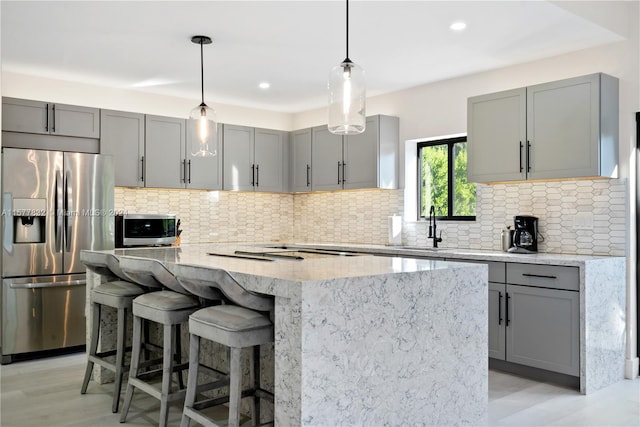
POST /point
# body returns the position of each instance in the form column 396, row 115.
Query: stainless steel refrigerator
column 54, row 205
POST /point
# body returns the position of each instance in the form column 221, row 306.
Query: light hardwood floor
column 46, row 392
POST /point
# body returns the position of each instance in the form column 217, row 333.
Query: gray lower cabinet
column 534, row 315
column 123, row 138
column 301, row 160
column 28, row 116
column 254, row 159
column 562, row 129
column 543, row 328
column 367, row 160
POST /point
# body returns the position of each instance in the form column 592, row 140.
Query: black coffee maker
column 525, row 234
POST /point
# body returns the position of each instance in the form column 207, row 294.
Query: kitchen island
column 363, row 340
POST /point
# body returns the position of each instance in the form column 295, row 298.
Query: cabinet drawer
column 496, row 268
column 544, row 276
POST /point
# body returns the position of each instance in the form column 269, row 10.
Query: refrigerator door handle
column 59, row 212
column 68, row 208
column 48, row 284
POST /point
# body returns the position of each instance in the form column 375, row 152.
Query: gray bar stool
column 246, row 324
column 117, row 294
column 169, row 307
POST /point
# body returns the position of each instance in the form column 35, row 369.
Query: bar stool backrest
column 205, row 282
column 149, row 272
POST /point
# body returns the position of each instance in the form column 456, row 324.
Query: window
column 442, row 176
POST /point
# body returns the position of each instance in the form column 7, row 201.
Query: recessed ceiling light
column 458, row 26
column 264, row 85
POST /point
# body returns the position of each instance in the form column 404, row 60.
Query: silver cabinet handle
column 53, row 125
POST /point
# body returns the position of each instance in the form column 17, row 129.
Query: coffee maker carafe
column 525, row 235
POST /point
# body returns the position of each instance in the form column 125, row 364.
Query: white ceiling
column 146, row 46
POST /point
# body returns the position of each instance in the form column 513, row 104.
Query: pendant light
column 347, row 96
column 202, row 129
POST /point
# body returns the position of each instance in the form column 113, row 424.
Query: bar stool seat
column 117, row 294
column 231, row 325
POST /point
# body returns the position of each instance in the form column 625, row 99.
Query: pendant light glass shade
column 202, row 129
column 347, row 93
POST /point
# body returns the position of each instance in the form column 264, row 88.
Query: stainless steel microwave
column 145, row 230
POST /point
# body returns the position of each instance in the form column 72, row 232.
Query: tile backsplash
column 578, row 217
column 216, row 216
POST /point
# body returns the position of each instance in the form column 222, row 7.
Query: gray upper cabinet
column 301, row 160
column 152, row 151
column 204, row 173
column 164, row 163
column 270, row 155
column 367, row 160
column 572, row 128
column 21, row 115
column 371, row 158
column 254, row 159
column 562, row 129
column 496, row 127
column 122, row 136
column 326, row 160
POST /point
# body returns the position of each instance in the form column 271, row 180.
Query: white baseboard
column 631, row 368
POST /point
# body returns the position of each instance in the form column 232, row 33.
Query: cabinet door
column 205, row 173
column 22, row 115
column 497, row 345
column 72, row 120
column 326, row 160
column 496, row 136
column 122, row 136
column 164, row 148
column 563, row 128
column 269, row 160
column 543, row 329
column 239, row 170
column 361, row 157
column 301, row 160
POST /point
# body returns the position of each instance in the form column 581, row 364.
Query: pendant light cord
column 202, row 69
column 347, row 29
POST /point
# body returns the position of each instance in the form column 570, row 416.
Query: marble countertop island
column 364, row 340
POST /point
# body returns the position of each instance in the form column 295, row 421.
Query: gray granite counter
column 365, row 340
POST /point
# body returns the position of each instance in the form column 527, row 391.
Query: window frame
column 450, row 142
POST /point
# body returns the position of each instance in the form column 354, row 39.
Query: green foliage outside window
column 436, row 181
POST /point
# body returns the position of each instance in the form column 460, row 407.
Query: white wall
column 38, row 88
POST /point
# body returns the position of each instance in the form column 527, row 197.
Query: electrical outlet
column 583, row 221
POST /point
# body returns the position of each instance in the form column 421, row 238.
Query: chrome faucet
column 433, row 229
